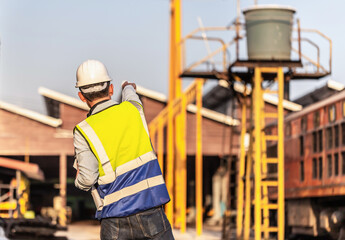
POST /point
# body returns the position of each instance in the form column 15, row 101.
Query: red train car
column 315, row 169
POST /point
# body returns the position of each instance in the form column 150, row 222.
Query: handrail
column 313, row 44
column 201, row 38
column 223, row 48
column 238, row 28
column 326, row 38
column 311, row 61
column 206, row 29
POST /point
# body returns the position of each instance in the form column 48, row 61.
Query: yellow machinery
column 17, row 220
column 11, row 205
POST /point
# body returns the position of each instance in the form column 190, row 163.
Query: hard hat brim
column 83, row 85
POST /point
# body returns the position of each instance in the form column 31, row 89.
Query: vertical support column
column 153, row 132
column 198, row 158
column 18, row 193
column 257, row 149
column 178, row 31
column 179, row 125
column 281, row 197
column 27, row 150
column 63, row 185
column 172, row 57
column 170, row 166
column 248, row 202
column 11, row 201
column 160, row 145
column 183, row 159
column 175, row 89
column 265, row 200
column 240, row 196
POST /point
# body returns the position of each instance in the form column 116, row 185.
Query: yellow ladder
column 266, row 182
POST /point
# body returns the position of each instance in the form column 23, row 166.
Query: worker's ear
column 81, row 97
column 111, row 90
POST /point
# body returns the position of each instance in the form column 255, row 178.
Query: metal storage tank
column 269, row 30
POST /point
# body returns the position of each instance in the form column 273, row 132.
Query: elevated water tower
column 274, row 58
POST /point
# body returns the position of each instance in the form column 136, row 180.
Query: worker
column 114, row 158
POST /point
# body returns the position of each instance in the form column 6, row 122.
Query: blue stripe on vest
column 141, row 201
column 148, row 170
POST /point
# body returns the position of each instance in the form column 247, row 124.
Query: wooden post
column 63, row 187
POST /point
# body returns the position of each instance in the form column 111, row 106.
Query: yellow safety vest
column 130, row 179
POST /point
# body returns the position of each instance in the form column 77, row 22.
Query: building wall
column 71, row 116
column 22, row 136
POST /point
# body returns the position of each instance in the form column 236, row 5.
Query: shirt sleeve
column 87, row 163
column 129, row 94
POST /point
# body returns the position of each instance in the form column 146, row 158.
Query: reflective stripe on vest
column 102, row 155
column 133, row 189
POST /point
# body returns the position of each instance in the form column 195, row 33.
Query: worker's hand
column 124, row 84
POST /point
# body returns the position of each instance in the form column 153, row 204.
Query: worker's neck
column 91, row 104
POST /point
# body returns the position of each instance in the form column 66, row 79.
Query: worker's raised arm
column 85, row 162
column 129, row 92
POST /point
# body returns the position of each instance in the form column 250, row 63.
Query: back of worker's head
column 93, row 80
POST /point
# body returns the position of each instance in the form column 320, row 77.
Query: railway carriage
column 315, row 168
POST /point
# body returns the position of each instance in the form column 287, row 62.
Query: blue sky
column 43, row 42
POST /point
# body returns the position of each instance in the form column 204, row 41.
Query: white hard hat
column 91, row 72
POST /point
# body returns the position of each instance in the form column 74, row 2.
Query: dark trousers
column 150, row 224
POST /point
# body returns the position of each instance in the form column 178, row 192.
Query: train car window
column 329, row 138
column 320, row 135
column 320, row 168
column 315, row 138
column 301, row 171
column 329, row 166
column 314, row 168
column 336, row 164
column 331, row 113
column 343, row 163
column 343, row 133
column 336, row 136
column 301, row 145
column 304, row 124
column 316, row 119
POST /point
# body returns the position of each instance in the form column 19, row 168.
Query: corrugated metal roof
column 53, row 122
column 332, row 87
column 63, row 98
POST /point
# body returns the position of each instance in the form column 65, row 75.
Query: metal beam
column 240, row 193
column 198, row 157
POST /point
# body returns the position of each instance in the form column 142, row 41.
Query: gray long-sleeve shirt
column 84, row 158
